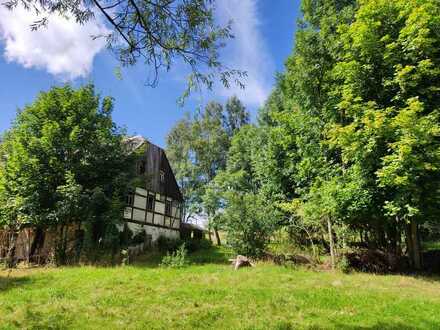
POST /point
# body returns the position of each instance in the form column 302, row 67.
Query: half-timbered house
column 154, row 204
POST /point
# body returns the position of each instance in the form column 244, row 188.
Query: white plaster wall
column 141, row 191
column 138, row 215
column 156, row 232
column 176, row 223
column 158, row 219
column 160, row 207
column 140, row 202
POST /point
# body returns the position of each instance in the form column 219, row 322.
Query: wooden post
column 332, row 244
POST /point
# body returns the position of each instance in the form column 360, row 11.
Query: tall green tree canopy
column 62, row 161
column 197, row 148
column 349, row 138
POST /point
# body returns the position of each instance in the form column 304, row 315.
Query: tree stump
column 241, row 261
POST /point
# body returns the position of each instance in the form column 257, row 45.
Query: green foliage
column 352, row 126
column 249, row 223
column 248, row 216
column 139, row 238
column 344, row 265
column 167, row 244
column 176, row 259
column 157, row 33
column 63, row 163
column 197, row 148
column 193, row 245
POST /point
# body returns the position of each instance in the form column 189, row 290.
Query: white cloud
column 64, row 49
column 247, row 51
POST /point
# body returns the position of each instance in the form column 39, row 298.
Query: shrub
column 194, row 245
column 139, row 238
column 249, row 222
column 176, row 259
column 166, row 244
column 344, row 265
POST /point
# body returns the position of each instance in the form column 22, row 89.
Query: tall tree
column 236, row 115
column 200, row 145
column 388, row 91
column 61, row 152
column 247, row 215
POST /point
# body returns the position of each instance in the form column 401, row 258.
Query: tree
column 236, row 115
column 60, row 150
column 159, row 32
column 352, row 124
column 244, row 211
column 197, row 147
column 388, row 92
column 181, row 155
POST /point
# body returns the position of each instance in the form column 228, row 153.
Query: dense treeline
column 347, row 148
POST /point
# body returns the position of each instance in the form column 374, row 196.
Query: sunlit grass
column 209, row 294
column 432, row 245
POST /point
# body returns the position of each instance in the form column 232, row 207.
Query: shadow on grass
column 213, row 255
column 379, row 326
column 12, row 282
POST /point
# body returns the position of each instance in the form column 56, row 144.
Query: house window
column 162, row 176
column 167, row 207
column 130, row 199
column 150, row 203
column 141, row 167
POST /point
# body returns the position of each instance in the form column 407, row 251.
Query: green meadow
column 209, row 294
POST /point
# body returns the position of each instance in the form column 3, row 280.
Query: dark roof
column 156, row 162
column 191, row 226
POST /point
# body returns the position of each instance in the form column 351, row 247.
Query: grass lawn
column 209, row 294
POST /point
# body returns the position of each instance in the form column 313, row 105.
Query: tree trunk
column 217, row 237
column 37, row 243
column 60, row 248
column 398, row 242
column 10, row 257
column 416, row 254
column 332, row 244
column 409, row 245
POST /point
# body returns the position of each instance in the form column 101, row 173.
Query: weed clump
column 176, row 259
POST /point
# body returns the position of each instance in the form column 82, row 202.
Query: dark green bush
column 139, row 238
column 193, row 245
column 166, row 244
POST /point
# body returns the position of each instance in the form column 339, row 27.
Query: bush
column 166, row 244
column 139, row 238
column 176, row 259
column 249, row 222
column 194, row 245
column 344, row 265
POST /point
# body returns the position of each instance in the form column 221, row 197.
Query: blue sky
column 31, row 62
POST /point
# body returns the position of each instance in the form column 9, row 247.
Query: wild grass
column 208, row 294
